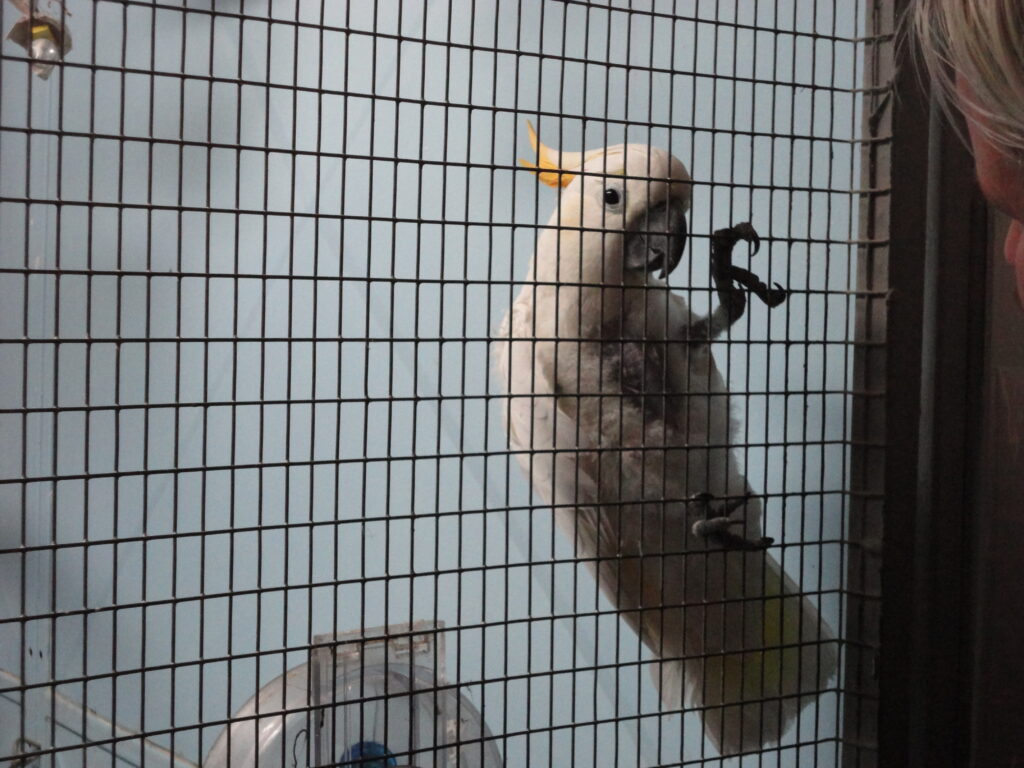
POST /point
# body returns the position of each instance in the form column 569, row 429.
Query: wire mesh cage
column 256, row 256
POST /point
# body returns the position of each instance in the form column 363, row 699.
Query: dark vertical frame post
column 920, row 333
column 956, row 301
column 879, row 315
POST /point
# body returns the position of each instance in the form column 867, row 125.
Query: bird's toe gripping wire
column 715, row 524
column 729, row 236
column 722, row 243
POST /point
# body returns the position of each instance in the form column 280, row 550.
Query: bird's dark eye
column 611, row 196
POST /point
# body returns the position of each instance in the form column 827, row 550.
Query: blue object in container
column 368, row 754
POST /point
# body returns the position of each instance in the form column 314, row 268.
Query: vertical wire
column 417, row 308
column 772, row 188
column 24, row 483
column 744, row 599
column 435, row 575
column 178, row 336
column 314, row 321
column 372, row 220
column 792, row 80
column 87, row 433
column 490, row 281
column 340, row 527
column 655, row 346
column 531, row 449
column 763, row 567
column 690, row 399
column 599, row 391
column 462, row 376
column 463, row 346
column 552, row 588
column 208, row 259
column 415, row 366
column 533, row 386
column 507, row 442
column 602, row 443
column 454, row 631
column 122, row 326
column 648, row 346
column 262, row 396
column 416, row 332
column 445, row 165
column 823, row 490
column 235, row 333
column 56, row 418
column 486, row 441
column 289, row 280
column 624, row 338
column 846, row 479
column 788, row 85
column 805, row 436
column 719, row 607
column 664, row 609
column 367, row 357
column 26, row 364
column 147, row 408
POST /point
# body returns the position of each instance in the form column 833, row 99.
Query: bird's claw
column 770, row 296
column 723, row 241
column 716, row 529
column 730, row 281
column 729, row 236
column 775, row 296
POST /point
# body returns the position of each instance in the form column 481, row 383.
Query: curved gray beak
column 656, row 241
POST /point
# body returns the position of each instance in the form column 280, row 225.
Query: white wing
column 618, row 435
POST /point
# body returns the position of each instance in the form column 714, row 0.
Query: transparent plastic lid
column 361, row 703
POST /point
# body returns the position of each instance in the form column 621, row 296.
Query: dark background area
column 998, row 716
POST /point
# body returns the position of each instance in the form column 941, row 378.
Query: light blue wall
column 177, row 261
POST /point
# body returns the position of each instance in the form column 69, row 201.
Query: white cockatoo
column 616, row 411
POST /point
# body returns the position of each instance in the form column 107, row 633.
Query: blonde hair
column 983, row 42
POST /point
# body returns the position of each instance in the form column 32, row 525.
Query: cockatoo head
column 630, row 200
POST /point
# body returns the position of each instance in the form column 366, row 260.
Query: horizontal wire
column 442, row 340
column 85, row 544
column 517, row 53
column 687, row 290
column 291, row 88
column 589, row 4
column 439, row 688
column 436, row 573
column 240, row 656
column 31, row 479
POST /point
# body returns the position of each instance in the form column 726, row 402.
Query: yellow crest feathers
column 553, row 167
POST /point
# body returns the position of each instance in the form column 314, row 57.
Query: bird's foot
column 722, row 243
column 715, row 525
column 728, row 237
column 770, row 296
